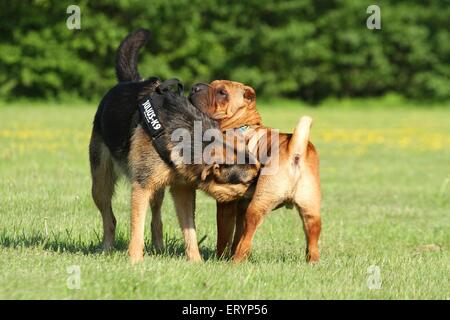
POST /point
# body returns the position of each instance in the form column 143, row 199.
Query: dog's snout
column 198, row 87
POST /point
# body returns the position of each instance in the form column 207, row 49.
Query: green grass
column 386, row 187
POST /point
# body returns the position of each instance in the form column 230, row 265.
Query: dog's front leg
column 184, row 198
column 226, row 220
column 140, row 198
column 157, row 225
column 240, row 220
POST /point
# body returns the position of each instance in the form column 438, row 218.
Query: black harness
column 152, row 124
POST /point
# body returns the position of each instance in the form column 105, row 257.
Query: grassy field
column 386, row 203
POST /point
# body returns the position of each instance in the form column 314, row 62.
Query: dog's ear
column 210, row 169
column 249, row 94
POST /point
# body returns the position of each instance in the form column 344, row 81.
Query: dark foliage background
column 310, row 49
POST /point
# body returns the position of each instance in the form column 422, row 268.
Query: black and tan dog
column 120, row 144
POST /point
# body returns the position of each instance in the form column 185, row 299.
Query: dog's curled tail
column 127, row 55
column 298, row 145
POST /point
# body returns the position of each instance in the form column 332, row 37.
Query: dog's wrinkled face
column 231, row 103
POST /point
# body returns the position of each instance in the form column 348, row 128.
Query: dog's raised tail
column 127, row 55
column 298, row 144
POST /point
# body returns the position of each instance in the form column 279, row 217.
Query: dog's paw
column 107, row 247
column 312, row 257
column 157, row 247
column 136, row 254
column 136, row 259
column 197, row 258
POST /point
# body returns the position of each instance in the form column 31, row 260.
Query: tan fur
column 241, row 105
column 149, row 176
column 143, row 158
column 295, row 180
column 184, row 198
column 273, row 190
column 103, row 181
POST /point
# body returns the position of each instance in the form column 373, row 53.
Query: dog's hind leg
column 184, row 198
column 103, row 182
column 156, row 225
column 265, row 198
column 253, row 218
column 307, row 201
column 310, row 215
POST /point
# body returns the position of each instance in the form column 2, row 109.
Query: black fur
column 127, row 55
column 118, row 114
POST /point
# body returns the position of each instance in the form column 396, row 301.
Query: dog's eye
column 223, row 92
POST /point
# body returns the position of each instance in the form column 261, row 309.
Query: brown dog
column 294, row 179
